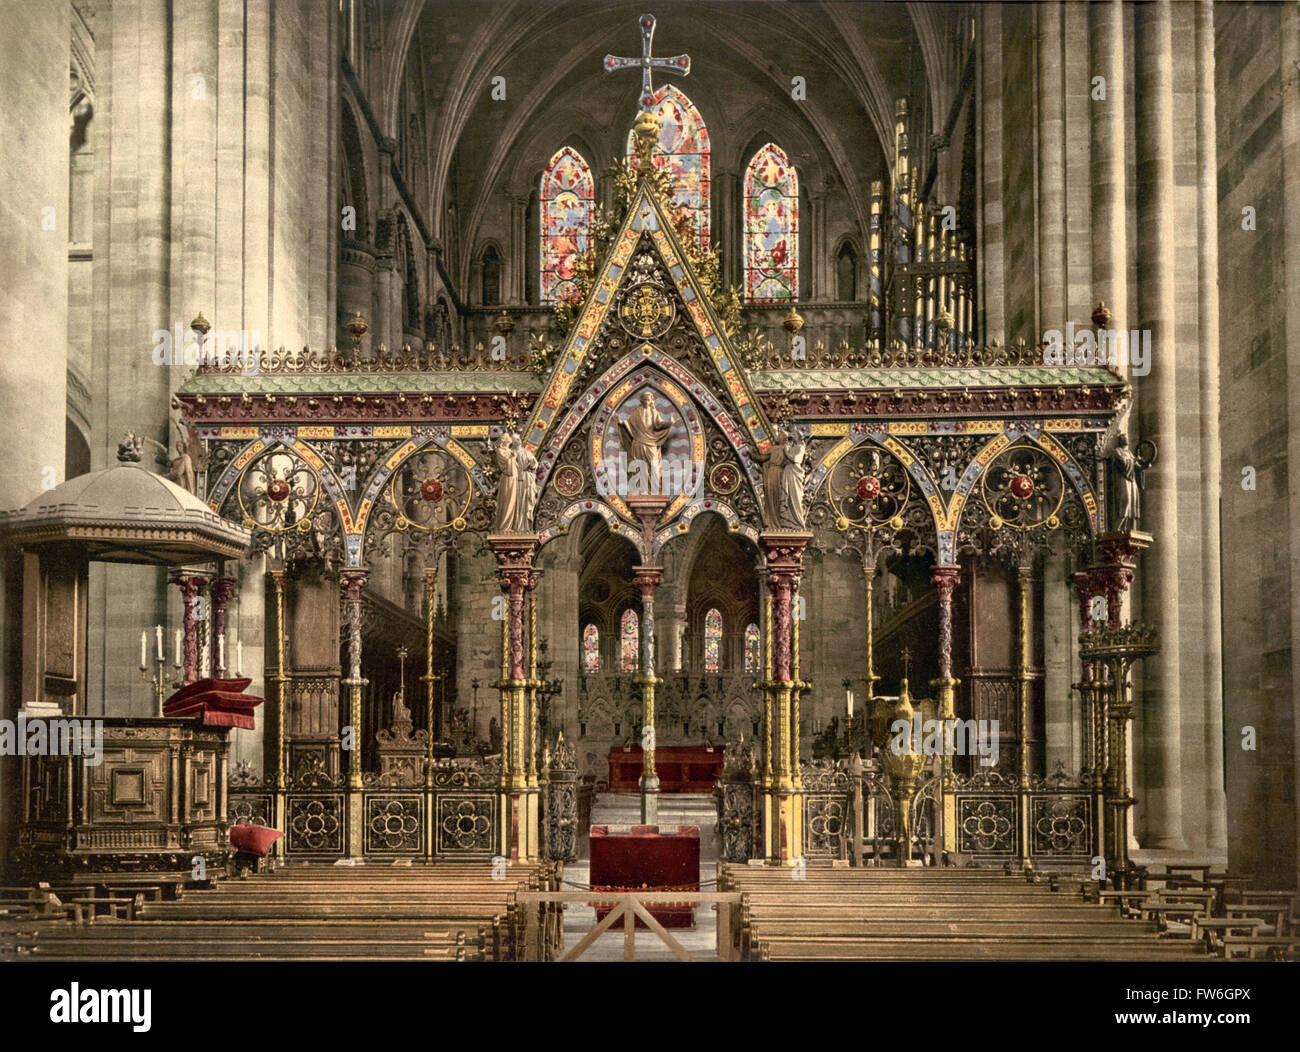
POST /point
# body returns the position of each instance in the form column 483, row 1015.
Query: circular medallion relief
column 646, row 312
column 568, row 481
column 724, row 479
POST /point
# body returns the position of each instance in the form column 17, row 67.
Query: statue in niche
column 644, row 434
column 507, row 486
column 1128, row 469
column 526, row 502
column 793, row 515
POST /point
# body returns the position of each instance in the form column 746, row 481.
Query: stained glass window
column 566, row 203
column 629, row 641
column 712, row 640
column 591, row 649
column 771, row 227
column 684, row 151
column 751, row 648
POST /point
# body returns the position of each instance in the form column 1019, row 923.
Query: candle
column 180, row 660
column 239, row 657
column 144, row 648
column 848, row 697
column 158, row 630
column 221, row 653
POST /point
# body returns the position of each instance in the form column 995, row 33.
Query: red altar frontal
column 681, row 768
column 642, row 858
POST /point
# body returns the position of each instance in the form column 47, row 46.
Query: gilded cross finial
column 680, row 64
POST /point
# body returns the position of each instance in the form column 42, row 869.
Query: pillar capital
column 945, row 578
column 352, row 582
column 514, row 554
column 648, row 579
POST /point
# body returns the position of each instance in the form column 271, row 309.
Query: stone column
column 783, row 799
column 992, row 304
column 945, row 579
column 1290, row 139
column 816, row 265
column 1109, row 219
column 1051, row 167
column 514, row 291
column 1207, row 211
column 518, row 812
column 1158, row 412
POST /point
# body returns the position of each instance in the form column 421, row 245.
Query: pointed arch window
column 629, row 640
column 591, row 649
column 846, row 273
column 712, row 640
column 751, row 648
column 771, row 227
column 567, row 201
column 684, row 151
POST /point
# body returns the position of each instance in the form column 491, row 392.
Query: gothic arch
column 352, row 175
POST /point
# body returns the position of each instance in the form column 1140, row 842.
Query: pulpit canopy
column 126, row 514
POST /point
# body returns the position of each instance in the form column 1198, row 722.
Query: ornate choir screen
column 451, row 814
column 919, row 446
column 987, row 807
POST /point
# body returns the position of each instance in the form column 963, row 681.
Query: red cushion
column 254, row 840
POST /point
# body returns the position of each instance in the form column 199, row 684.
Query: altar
column 681, row 768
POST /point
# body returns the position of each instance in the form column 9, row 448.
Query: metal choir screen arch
column 771, row 227
column 567, row 200
column 683, row 151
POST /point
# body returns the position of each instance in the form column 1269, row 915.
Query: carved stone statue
column 773, row 468
column 1127, row 473
column 183, row 468
column 644, row 434
column 526, row 502
column 793, row 515
column 507, row 486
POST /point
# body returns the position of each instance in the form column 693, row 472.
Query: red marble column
column 190, row 586
column 223, row 591
column 945, row 579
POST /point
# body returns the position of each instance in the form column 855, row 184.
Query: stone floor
column 617, row 809
column 700, row 942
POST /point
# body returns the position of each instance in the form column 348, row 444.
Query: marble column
column 945, row 579
column 783, row 801
column 1109, row 201
column 1157, row 402
column 518, row 833
column 223, row 591
column 1207, row 210
column 647, row 579
column 190, row 584
column 1051, row 167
